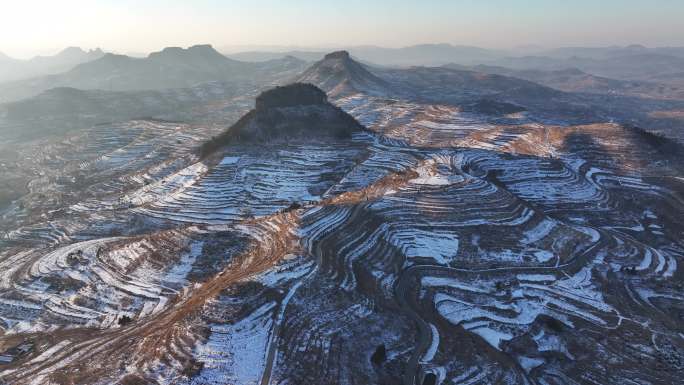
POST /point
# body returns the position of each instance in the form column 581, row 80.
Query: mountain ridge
column 172, row 67
column 12, row 69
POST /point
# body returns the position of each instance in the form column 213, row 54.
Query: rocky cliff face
column 297, row 111
column 294, row 95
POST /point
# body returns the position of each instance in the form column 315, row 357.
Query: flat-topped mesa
column 298, row 94
column 198, row 49
column 344, row 55
column 298, row 112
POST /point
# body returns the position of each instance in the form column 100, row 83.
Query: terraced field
column 439, row 247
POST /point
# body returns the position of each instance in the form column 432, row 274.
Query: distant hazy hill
column 94, row 106
column 424, row 54
column 575, row 80
column 635, row 66
column 14, row 69
column 338, row 74
column 260, row 56
column 63, row 108
column 170, row 68
column 613, row 51
column 633, row 62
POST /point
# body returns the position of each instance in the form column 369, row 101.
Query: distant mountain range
column 549, row 96
column 551, row 89
column 575, row 80
column 423, row 54
column 608, row 52
column 15, row 69
column 632, row 62
column 655, row 72
column 637, row 66
column 172, row 67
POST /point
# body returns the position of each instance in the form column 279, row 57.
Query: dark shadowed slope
column 291, row 112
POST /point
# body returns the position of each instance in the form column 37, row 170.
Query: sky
column 30, row 27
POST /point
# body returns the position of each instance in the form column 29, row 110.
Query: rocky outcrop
column 298, row 111
column 298, row 94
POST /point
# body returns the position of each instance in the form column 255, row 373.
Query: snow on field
column 176, row 276
column 252, row 182
column 540, row 231
column 236, row 353
column 92, row 283
column 492, row 336
column 434, row 345
column 483, row 287
column 543, row 256
column 169, row 186
column 429, row 174
column 441, row 246
column 529, row 363
column 229, row 160
column 291, row 269
column 551, row 343
column 495, row 318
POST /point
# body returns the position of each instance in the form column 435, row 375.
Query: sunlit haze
column 33, row 27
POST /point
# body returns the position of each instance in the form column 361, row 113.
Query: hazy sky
column 28, row 27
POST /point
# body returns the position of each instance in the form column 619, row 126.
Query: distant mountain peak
column 178, row 51
column 113, row 56
column 168, row 52
column 71, row 50
column 338, row 74
column 202, row 47
column 76, row 53
column 636, row 47
column 201, row 56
